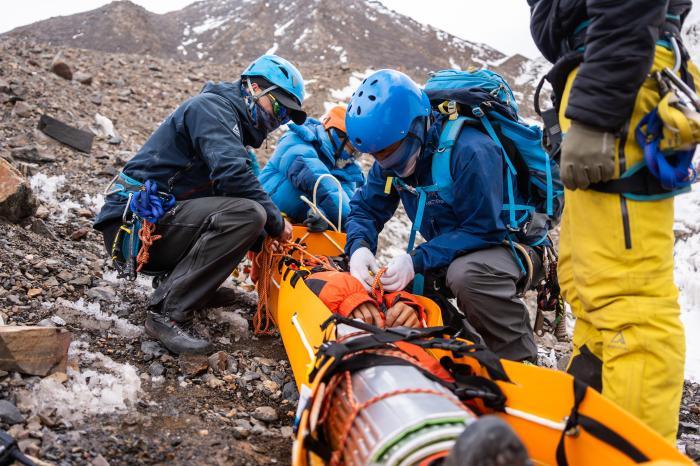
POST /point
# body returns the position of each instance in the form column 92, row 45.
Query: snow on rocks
column 96, row 385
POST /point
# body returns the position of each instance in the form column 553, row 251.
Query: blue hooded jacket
column 304, row 154
column 199, row 151
column 476, row 219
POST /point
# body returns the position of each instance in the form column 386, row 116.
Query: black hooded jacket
column 618, row 38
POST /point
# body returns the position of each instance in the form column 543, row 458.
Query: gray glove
column 587, row 156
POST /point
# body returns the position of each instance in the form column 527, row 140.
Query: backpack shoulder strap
column 442, row 176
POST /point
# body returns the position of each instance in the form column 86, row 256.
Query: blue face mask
column 264, row 120
column 403, row 159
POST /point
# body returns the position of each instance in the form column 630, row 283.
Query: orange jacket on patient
column 342, row 293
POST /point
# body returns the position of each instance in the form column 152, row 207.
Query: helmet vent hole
column 359, row 110
column 373, row 82
column 360, row 94
column 275, row 62
column 284, row 71
column 365, row 80
column 358, row 141
column 372, row 98
column 349, row 108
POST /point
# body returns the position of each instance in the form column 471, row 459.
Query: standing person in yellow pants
column 616, row 250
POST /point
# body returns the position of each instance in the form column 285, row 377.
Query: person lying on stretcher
column 344, row 294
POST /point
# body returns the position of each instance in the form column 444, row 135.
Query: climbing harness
column 145, row 205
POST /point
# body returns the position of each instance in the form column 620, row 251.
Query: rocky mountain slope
column 342, row 34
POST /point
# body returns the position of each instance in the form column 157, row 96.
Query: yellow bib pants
column 616, row 272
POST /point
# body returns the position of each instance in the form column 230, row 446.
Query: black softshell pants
column 203, row 240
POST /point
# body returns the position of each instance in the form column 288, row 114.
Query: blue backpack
column 485, row 99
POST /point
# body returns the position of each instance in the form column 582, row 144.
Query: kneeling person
column 308, row 157
column 197, row 159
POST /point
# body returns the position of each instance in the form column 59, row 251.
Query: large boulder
column 17, row 200
column 60, row 66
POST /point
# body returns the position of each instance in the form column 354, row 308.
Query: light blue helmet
column 279, row 72
column 384, row 109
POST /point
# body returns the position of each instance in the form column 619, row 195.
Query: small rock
column 212, row 381
column 100, row 460
column 96, row 99
column 83, row 78
column 270, row 387
column 22, row 109
column 203, row 432
column 31, row 154
column 83, row 280
column 42, row 213
column 40, row 228
column 29, row 446
column 290, row 392
column 102, row 293
column 241, row 433
column 238, row 324
column 156, row 369
column 9, row 413
column 34, row 292
column 219, row 362
column 152, row 348
column 61, row 68
column 17, row 200
column 80, row 233
column 287, row 432
column 60, row 377
column 193, row 365
column 265, row 414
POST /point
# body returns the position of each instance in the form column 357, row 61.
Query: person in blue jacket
column 306, row 157
column 391, row 118
column 198, row 156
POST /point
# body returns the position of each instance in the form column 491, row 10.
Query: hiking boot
column 489, row 441
column 175, row 336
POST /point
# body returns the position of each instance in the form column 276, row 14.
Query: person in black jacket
column 198, row 156
column 616, row 251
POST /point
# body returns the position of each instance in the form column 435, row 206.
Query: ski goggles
column 280, row 111
column 400, row 157
column 341, row 144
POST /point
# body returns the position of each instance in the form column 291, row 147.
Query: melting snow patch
column 103, row 386
column 272, row 49
column 93, row 310
column 210, row 23
column 687, row 273
column 343, row 95
column 46, row 187
column 280, row 29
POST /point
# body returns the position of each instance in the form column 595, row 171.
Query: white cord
column 315, row 208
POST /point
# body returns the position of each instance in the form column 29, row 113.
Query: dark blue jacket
column 476, row 219
column 199, row 151
column 303, row 155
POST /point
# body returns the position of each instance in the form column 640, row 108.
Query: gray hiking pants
column 485, row 284
column 203, row 240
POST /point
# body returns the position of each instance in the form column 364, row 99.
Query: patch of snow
column 102, row 387
column 95, row 202
column 46, row 187
column 301, row 38
column 280, row 29
column 189, row 41
column 343, row 95
column 80, row 34
column 272, row 49
column 531, row 71
column 343, row 55
column 209, row 24
column 454, row 64
column 93, row 310
column 687, row 274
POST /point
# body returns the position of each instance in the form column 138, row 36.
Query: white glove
column 399, row 273
column 361, row 262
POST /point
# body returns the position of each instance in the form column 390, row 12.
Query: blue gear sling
column 485, row 99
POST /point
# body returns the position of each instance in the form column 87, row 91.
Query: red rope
column 148, row 237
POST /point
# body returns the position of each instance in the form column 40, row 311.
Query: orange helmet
column 335, row 118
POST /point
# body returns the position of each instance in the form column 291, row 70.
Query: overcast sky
column 473, row 20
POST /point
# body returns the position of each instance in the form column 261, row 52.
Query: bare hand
column 369, row 313
column 402, row 315
column 286, row 234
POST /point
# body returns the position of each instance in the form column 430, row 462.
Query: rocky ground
column 124, row 399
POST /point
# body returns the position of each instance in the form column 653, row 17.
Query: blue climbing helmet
column 287, row 84
column 388, row 117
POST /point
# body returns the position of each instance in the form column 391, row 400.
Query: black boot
column 223, row 297
column 489, row 441
column 175, row 336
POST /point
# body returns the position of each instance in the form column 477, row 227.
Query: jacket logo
column 618, row 341
column 236, row 131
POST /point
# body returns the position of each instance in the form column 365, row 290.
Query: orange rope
column 377, row 287
column 147, row 237
column 265, row 261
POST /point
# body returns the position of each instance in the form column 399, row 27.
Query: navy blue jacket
column 476, row 219
column 303, row 155
column 199, row 151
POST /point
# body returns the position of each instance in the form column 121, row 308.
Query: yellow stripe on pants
column 616, row 272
